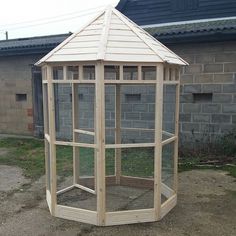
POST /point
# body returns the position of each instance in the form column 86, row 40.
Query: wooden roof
column 111, row 36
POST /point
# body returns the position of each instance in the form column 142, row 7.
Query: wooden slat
column 130, row 145
column 167, row 191
column 118, row 133
column 169, row 140
column 52, row 133
column 130, row 217
column 158, row 139
column 89, row 190
column 131, row 51
column 168, row 205
column 75, row 144
column 176, row 147
column 81, row 215
column 64, row 190
column 113, row 44
column 100, row 142
column 76, row 51
column 84, row 132
column 134, row 58
column 76, row 58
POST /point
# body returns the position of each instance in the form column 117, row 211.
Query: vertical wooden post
column 75, row 125
column 118, row 133
column 100, row 142
column 158, row 140
column 52, row 133
column 176, row 145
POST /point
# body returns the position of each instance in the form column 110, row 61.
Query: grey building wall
column 16, row 114
column 208, row 91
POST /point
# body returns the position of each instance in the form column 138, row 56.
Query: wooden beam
column 118, row 133
column 52, row 134
column 158, row 140
column 176, row 147
column 84, row 132
column 75, row 125
column 100, row 142
column 129, row 145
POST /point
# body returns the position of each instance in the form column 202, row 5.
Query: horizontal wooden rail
column 84, row 132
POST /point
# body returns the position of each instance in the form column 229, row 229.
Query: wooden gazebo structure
column 118, row 53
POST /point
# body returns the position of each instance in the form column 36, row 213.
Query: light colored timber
column 72, row 213
column 158, row 140
column 130, row 145
column 89, row 190
column 84, row 132
column 75, row 144
column 52, row 147
column 48, row 199
column 75, row 125
column 130, row 217
column 118, row 133
column 100, row 142
column 167, row 133
column 167, row 191
column 176, row 147
column 168, row 205
column 64, row 190
column 169, row 140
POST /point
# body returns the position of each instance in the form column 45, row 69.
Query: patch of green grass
column 29, row 155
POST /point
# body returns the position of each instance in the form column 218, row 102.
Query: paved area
column 206, row 206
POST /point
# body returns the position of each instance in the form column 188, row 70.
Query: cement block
column 132, row 115
column 209, row 68
column 229, row 108
column 221, row 118
column 205, row 58
column 191, row 69
column 222, row 98
column 211, row 88
column 185, row 117
column 190, row 127
column 223, row 78
column 203, row 118
column 191, row 108
column 195, row 88
column 230, row 67
column 186, row 79
column 229, row 88
column 225, row 57
column 211, row 108
column 203, row 78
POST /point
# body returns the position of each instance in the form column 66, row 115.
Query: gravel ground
column 206, row 206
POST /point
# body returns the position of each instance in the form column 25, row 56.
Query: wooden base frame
column 97, row 185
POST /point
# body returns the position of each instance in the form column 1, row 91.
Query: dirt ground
column 206, row 206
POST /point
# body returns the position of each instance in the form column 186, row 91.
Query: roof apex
column 111, row 36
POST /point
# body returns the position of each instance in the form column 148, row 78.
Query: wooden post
column 176, row 145
column 100, row 143
column 118, row 134
column 158, row 140
column 75, row 125
column 52, row 138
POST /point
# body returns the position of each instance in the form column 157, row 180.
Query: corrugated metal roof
column 112, row 37
column 146, row 12
column 24, row 43
column 193, row 28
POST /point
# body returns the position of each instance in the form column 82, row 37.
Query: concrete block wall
column 137, row 111
column 16, row 117
column 212, row 71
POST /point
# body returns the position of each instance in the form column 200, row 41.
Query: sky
column 29, row 18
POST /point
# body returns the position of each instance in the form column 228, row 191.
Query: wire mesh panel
column 168, row 167
column 132, row 185
column 63, row 111
column 169, row 113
